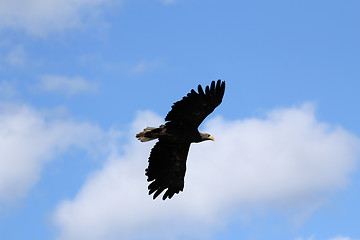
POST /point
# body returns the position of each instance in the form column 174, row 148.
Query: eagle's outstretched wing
column 195, row 107
column 167, row 161
column 167, row 166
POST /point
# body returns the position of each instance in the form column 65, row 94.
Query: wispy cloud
column 340, row 238
column 28, row 139
column 145, row 65
column 288, row 159
column 40, row 17
column 335, row 238
column 11, row 56
column 309, row 238
column 7, row 90
column 16, row 56
column 169, row 1
column 66, row 85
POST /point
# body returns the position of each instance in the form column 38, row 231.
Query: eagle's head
column 206, row 136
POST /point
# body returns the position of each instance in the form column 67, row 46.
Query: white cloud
column 67, row 85
column 42, row 16
column 287, row 160
column 28, row 139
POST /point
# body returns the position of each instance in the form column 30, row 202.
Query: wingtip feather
column 207, row 90
column 200, row 90
column 212, row 88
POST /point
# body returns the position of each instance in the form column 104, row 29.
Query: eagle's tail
column 148, row 134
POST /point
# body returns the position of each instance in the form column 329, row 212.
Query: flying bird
column 167, row 161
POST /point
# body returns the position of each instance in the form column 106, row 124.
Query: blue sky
column 78, row 79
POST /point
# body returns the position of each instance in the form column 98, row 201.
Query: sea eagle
column 167, row 161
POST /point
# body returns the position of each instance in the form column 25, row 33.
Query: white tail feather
column 141, row 135
column 145, row 139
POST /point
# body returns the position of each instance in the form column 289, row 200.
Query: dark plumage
column 167, row 161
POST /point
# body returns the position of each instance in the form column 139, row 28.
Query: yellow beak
column 211, row 138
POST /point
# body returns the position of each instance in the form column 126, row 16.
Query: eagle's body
column 167, row 161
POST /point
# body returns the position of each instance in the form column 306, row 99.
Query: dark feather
column 195, row 107
column 167, row 166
